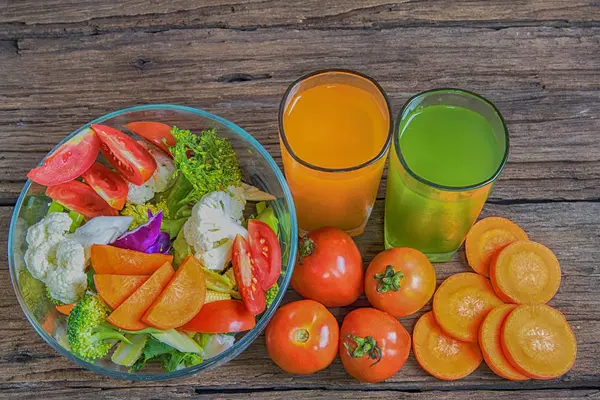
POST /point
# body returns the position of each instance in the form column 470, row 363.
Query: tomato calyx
column 301, row 336
column 363, row 346
column 305, row 248
column 388, row 280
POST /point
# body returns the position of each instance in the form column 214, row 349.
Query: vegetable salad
column 145, row 248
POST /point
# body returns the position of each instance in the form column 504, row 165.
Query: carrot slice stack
column 525, row 273
column 439, row 354
column 181, row 300
column 538, row 341
column 486, row 238
column 129, row 314
column 491, row 346
column 460, row 304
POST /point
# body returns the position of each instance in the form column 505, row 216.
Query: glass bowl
column 258, row 169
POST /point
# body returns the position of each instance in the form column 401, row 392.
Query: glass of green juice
column 449, row 147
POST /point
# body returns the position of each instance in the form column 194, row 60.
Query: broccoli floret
column 88, row 332
column 272, row 293
column 33, row 293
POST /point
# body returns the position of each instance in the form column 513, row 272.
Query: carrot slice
column 525, row 273
column 113, row 260
column 65, row 308
column 486, row 238
column 115, row 289
column 181, row 300
column 460, row 304
column 129, row 314
column 491, row 346
column 440, row 355
column 538, row 341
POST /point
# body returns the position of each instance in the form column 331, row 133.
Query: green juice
column 448, row 148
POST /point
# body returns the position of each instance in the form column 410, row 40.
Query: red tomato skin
column 416, row 286
column 80, row 197
column 69, row 161
column 266, row 252
column 333, row 273
column 393, row 339
column 108, row 184
column 133, row 162
column 245, row 272
column 221, row 316
column 154, row 132
column 312, row 355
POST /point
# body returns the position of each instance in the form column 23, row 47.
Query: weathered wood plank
column 552, row 103
column 61, row 18
column 572, row 230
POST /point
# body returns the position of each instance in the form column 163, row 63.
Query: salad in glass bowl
column 154, row 238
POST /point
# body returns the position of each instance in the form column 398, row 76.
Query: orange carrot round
column 460, row 304
column 115, row 289
column 129, row 314
column 439, row 354
column 491, row 344
column 525, row 273
column 65, row 308
column 538, row 341
column 486, row 238
column 181, row 300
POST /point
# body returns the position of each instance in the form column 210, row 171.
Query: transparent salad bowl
column 258, row 169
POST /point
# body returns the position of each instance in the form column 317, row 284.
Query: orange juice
column 335, row 130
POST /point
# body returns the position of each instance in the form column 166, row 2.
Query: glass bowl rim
column 388, row 139
column 434, row 185
column 240, row 345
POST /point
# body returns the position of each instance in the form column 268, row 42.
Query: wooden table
column 63, row 63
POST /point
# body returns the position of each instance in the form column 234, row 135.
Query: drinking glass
column 426, row 215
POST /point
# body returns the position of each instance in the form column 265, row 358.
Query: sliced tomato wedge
column 221, row 317
column 69, row 161
column 108, row 184
column 81, row 198
column 246, row 277
column 127, row 156
column 266, row 252
column 156, row 133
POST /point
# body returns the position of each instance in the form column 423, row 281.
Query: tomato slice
column 69, row 161
column 221, row 317
column 246, row 274
column 154, row 132
column 108, row 184
column 127, row 156
column 266, row 252
column 81, row 198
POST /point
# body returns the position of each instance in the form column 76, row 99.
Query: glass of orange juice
column 335, row 129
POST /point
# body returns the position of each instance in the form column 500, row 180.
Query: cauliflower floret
column 215, row 218
column 42, row 239
column 55, row 260
column 161, row 179
column 67, row 280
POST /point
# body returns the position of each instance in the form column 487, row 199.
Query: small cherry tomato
column 108, row 184
column 399, row 281
column 127, row 156
column 266, row 252
column 373, row 345
column 221, row 316
column 246, row 275
column 329, row 268
column 81, row 198
column 302, row 338
column 69, row 161
column 156, row 133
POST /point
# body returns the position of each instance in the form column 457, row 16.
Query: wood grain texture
column 65, row 62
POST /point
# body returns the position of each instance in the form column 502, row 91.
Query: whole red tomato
column 400, row 281
column 373, row 345
column 329, row 268
column 302, row 338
